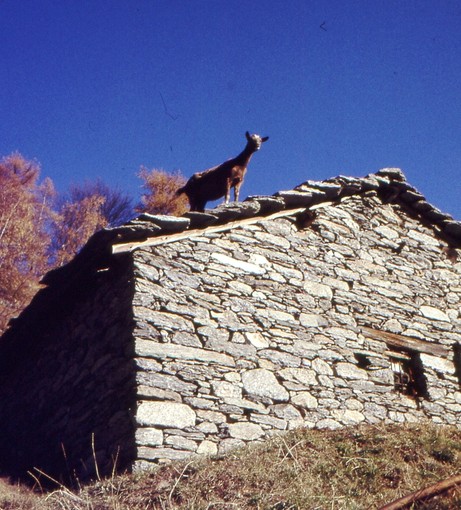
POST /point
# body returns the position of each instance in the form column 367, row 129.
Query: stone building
column 333, row 304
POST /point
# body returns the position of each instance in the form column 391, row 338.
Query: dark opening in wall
column 409, row 378
column 362, row 360
column 457, row 360
column 305, row 219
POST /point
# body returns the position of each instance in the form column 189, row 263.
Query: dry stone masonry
column 330, row 305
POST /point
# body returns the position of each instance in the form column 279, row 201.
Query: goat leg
column 237, row 191
column 228, row 188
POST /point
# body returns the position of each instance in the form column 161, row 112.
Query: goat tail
column 180, row 191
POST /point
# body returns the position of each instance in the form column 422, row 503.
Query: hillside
column 356, row 468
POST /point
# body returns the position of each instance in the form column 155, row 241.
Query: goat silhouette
column 217, row 182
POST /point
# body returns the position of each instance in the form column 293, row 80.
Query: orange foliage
column 160, row 192
column 76, row 222
column 25, row 214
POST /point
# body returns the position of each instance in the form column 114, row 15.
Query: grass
column 351, row 469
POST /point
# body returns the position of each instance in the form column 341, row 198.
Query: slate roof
column 390, row 184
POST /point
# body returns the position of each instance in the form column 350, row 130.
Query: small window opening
column 409, row 378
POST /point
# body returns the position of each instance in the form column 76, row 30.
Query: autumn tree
column 77, row 219
column 82, row 211
column 25, row 216
column 159, row 195
column 117, row 208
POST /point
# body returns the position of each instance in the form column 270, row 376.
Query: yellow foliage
column 160, row 192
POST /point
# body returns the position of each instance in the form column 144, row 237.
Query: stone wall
column 67, row 380
column 271, row 326
column 173, row 337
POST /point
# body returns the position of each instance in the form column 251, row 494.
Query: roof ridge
column 389, row 183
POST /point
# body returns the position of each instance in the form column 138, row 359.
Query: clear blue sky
column 97, row 88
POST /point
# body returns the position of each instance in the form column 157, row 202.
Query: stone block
column 161, row 454
column 321, row 367
column 165, row 414
column 306, row 400
column 312, row 320
column 256, row 339
column 149, row 436
column 163, row 351
column 226, row 390
column 245, row 431
column 263, row 383
column 181, row 443
column 207, row 447
column 229, row 444
column 236, row 264
column 286, row 412
column 350, row 371
column 304, row 376
column 434, row 313
column 318, row 290
column 438, row 364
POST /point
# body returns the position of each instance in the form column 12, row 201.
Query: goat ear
column 247, row 134
column 264, row 139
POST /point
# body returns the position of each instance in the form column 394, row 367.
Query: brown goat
column 217, row 182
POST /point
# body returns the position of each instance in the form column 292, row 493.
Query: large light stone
column 312, row 320
column 225, row 390
column 306, row 400
column 149, row 436
column 257, row 340
column 246, row 267
column 434, row 313
column 207, row 447
column 262, row 383
column 321, row 367
column 318, row 290
column 350, row 371
column 155, row 454
column 286, row 412
column 438, row 364
column 387, row 232
column 181, row 443
column 300, row 375
column 328, row 423
column 246, row 431
column 348, row 416
column 165, row 414
column 164, row 320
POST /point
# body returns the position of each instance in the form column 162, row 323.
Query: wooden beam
column 171, row 238
column 186, row 234
column 406, row 342
column 424, row 494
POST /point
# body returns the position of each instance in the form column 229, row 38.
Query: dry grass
column 351, row 469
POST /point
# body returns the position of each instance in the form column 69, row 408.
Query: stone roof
column 389, row 183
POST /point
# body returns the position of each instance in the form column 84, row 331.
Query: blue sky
column 97, row 88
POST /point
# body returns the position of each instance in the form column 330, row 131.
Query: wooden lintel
column 406, row 342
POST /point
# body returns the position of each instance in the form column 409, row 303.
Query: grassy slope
column 355, row 468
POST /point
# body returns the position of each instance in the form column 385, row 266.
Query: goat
column 217, row 182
